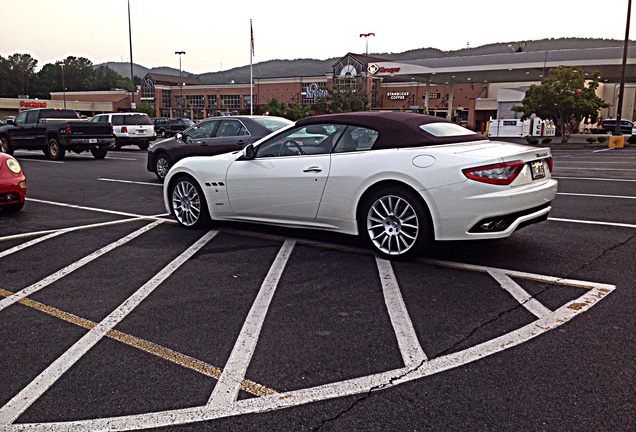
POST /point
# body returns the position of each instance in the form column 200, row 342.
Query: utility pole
column 619, row 111
column 132, row 76
column 180, row 53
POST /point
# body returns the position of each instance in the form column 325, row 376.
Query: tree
column 145, row 107
column 347, row 97
column 563, row 98
column 292, row 112
column 22, row 74
column 104, row 78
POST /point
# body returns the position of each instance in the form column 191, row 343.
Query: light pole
column 132, row 75
column 63, row 85
column 619, row 112
column 180, row 53
column 366, row 37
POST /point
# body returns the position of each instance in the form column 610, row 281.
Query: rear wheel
column 54, row 150
column 395, row 221
column 5, row 147
column 143, row 145
column 162, row 166
column 188, row 203
column 99, row 152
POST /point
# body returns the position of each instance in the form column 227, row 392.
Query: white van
column 130, row 128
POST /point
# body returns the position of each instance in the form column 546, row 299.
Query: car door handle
column 313, row 169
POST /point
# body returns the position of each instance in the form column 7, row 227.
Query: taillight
column 550, row 163
column 68, row 128
column 500, row 174
column 124, row 129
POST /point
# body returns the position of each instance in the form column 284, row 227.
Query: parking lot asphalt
column 115, row 318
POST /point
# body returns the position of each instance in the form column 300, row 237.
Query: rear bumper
column 463, row 218
column 124, row 140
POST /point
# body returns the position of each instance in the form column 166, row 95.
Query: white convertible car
column 402, row 180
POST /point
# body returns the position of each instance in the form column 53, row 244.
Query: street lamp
column 180, row 53
column 63, row 85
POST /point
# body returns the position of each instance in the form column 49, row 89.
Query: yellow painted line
column 144, row 345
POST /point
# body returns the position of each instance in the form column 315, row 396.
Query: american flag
column 252, row 37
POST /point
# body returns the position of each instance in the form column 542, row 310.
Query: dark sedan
column 212, row 136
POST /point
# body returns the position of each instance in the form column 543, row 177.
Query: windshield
column 273, row 124
column 446, row 129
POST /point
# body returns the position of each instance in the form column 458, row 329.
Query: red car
column 13, row 184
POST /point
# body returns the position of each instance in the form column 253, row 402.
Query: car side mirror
column 248, row 152
column 179, row 136
column 11, row 122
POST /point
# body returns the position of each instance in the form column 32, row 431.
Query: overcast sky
column 216, row 34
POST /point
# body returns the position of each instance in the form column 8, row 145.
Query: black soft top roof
column 396, row 129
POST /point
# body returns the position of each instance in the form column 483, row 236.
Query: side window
column 203, row 129
column 229, row 128
column 21, row 118
column 304, row 140
column 117, row 120
column 32, row 117
column 356, row 139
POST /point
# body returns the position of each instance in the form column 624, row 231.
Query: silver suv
column 130, row 128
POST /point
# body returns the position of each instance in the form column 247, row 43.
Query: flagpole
column 251, row 74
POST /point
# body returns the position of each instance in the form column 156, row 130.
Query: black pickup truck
column 55, row 131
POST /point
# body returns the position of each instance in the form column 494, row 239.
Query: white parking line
column 524, row 299
column 596, row 292
column 613, row 224
column 226, row 390
column 594, row 178
column 410, row 348
column 27, row 396
column 8, row 301
column 129, row 182
column 596, row 195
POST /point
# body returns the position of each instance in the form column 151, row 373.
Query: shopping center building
column 467, row 89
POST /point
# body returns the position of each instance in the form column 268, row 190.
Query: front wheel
column 162, row 166
column 188, row 203
column 396, row 223
column 54, row 150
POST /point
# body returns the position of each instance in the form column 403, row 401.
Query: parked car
column 54, row 132
column 130, row 128
column 212, row 136
column 179, row 124
column 7, row 120
column 165, row 127
column 608, row 126
column 162, row 126
column 401, row 180
column 13, row 184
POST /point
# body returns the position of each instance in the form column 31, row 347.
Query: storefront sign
column 397, row 95
column 374, row 69
column 32, row 104
column 431, row 96
column 313, row 91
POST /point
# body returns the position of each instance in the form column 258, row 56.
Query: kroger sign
column 374, row 69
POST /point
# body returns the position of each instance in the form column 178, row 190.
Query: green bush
column 601, row 138
column 546, row 140
column 532, row 140
column 590, row 139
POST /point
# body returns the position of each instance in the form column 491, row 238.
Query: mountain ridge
column 279, row 68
